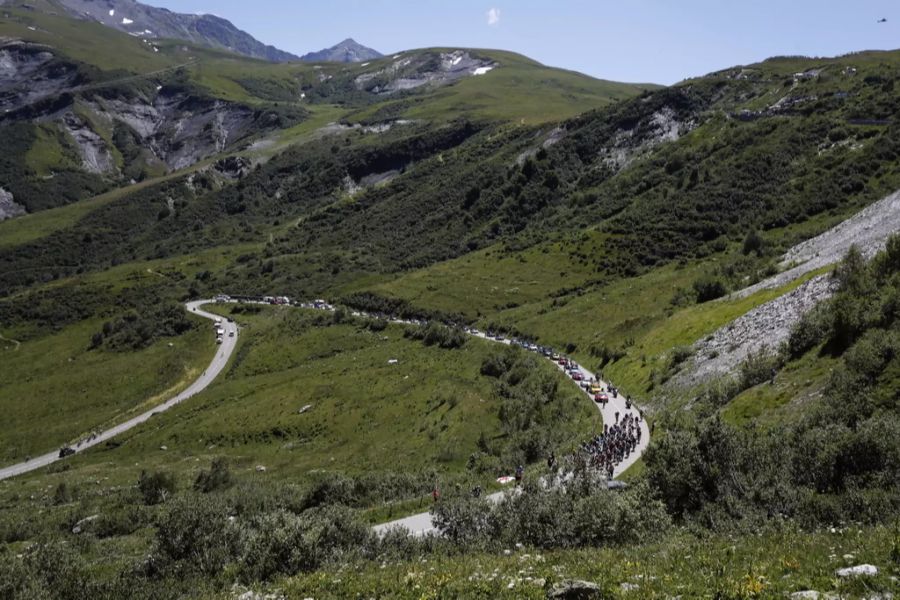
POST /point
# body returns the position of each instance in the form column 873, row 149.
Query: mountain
column 141, row 20
column 348, row 51
column 686, row 241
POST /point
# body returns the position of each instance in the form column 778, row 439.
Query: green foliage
column 196, row 532
column 135, row 330
column 709, row 288
column 435, row 334
column 156, row 487
column 584, row 514
column 218, row 477
column 282, row 543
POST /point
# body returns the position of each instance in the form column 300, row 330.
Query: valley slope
column 640, row 230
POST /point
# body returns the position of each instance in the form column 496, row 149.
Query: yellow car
column 595, row 388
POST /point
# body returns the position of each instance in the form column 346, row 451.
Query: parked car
column 577, row 376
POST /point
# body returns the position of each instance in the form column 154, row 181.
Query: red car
column 562, row 362
column 577, row 376
column 601, row 398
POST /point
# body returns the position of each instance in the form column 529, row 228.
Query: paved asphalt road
column 223, row 353
column 421, row 524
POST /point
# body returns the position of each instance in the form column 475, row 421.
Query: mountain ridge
column 150, row 22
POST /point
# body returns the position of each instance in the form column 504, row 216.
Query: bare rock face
column 8, row 208
column 407, row 73
column 95, row 154
column 662, row 126
column 30, row 73
column 181, row 129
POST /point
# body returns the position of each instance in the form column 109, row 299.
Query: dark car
column 66, row 451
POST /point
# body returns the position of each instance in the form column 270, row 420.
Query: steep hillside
column 148, row 22
column 85, row 120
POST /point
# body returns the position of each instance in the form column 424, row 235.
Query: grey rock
column 574, row 589
column 805, row 595
column 8, row 206
column 857, row 571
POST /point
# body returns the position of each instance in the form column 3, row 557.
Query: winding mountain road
column 219, row 361
column 419, row 524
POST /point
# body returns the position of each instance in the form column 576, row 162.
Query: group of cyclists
column 604, row 451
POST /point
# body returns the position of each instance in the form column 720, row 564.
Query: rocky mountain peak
column 346, row 51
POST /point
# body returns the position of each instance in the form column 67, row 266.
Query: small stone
column 628, row 587
column 857, row 571
column 574, row 589
column 260, row 469
column 163, row 447
column 805, row 595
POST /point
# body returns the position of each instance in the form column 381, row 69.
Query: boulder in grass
column 574, row 589
column 857, row 571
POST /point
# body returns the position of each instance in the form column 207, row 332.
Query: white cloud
column 493, row 16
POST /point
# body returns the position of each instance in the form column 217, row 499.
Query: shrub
column 753, row 243
column 758, row 368
column 808, row 332
column 435, row 334
column 709, row 288
column 461, row 517
column 62, row 494
column 218, row 477
column 196, row 532
column 155, row 488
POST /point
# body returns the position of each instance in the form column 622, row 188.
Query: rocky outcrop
column 436, row 69
column 181, row 129
column 8, row 206
column 30, row 73
column 96, row 156
column 629, row 144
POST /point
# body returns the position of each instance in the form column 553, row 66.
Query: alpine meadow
column 445, row 322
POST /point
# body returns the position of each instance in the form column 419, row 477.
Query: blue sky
column 660, row 41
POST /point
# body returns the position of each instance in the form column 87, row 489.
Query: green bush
column 156, row 487
column 218, row 477
column 435, row 334
column 196, row 532
column 709, row 288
